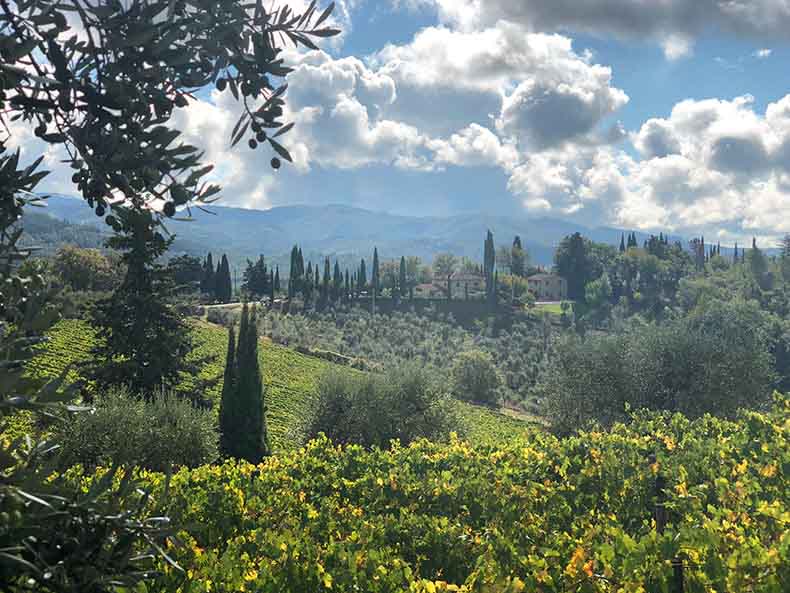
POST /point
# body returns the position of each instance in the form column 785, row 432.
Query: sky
column 668, row 115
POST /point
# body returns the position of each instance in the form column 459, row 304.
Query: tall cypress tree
column 374, row 276
column 622, row 242
column 292, row 270
column 402, row 278
column 228, row 421
column 271, row 286
column 308, row 283
column 277, row 280
column 337, row 282
column 217, row 286
column 224, row 284
column 347, row 295
column 518, row 258
column 325, row 283
column 489, row 263
column 362, row 277
column 207, row 282
column 243, row 408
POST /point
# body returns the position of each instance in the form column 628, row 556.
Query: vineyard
column 535, row 514
column 290, row 379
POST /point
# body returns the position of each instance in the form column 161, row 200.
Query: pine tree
column 402, row 278
column 143, row 342
column 374, row 276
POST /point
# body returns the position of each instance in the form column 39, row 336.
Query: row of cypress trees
column 216, row 282
column 242, row 412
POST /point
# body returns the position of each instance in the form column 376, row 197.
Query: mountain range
column 344, row 231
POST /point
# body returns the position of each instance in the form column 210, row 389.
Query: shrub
column 123, row 429
column 373, row 409
column 715, row 360
column 475, row 378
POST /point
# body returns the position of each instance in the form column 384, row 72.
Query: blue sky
column 671, row 115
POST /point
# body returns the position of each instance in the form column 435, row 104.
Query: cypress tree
column 228, row 422
column 325, row 283
column 292, row 272
column 277, row 280
column 271, row 286
column 217, row 284
column 347, row 295
column 374, row 276
column 518, row 258
column 402, row 278
column 308, row 284
column 622, row 242
column 337, row 282
column 207, row 283
column 251, row 395
column 735, row 254
column 224, row 283
column 489, row 263
column 244, row 434
column 362, row 277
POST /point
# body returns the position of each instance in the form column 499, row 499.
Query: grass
column 290, row 379
column 553, row 308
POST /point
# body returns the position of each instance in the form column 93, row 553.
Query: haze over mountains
column 341, row 230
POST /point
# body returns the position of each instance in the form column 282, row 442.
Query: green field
column 290, row 379
column 553, row 308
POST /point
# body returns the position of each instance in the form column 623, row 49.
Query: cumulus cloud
column 672, row 23
column 712, row 165
column 536, row 87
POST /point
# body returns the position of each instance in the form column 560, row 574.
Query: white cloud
column 763, row 53
column 712, row 166
column 672, row 23
column 541, row 92
column 474, row 146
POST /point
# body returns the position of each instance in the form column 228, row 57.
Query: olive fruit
column 169, row 209
column 275, row 163
column 253, row 143
column 221, row 84
column 261, row 136
column 100, row 210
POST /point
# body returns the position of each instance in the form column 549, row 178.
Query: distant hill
column 349, row 233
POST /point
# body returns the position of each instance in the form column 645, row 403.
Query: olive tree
column 103, row 81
